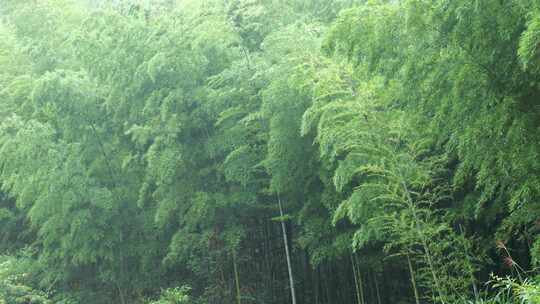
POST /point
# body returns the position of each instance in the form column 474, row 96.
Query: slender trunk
column 325, row 283
column 268, row 276
column 287, row 252
column 360, row 281
column 223, row 282
column 413, row 280
column 307, row 293
column 369, row 284
column 236, row 279
column 423, row 239
column 317, row 285
column 356, row 285
column 121, row 294
column 122, row 275
column 377, row 287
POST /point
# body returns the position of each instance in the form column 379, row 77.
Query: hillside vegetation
column 270, row 151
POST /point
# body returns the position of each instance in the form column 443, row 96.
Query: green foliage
column 177, row 295
column 145, row 144
column 515, row 291
column 13, row 283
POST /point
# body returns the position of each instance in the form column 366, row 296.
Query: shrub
column 12, row 287
column 178, row 295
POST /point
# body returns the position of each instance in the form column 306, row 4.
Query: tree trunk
column 377, row 287
column 413, row 280
column 287, row 252
column 236, row 279
column 325, row 278
column 424, row 241
column 356, row 283
column 360, row 280
column 317, row 285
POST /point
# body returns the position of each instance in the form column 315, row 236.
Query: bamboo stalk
column 377, row 287
column 236, row 279
column 360, row 281
column 355, row 274
column 413, row 280
column 287, row 253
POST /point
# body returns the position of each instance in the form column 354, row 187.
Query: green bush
column 12, row 287
column 526, row 291
column 178, row 295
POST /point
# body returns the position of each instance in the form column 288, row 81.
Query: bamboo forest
column 270, row 152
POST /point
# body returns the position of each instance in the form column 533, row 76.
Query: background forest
column 270, row 151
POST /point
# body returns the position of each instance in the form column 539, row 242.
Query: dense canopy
column 270, row 151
